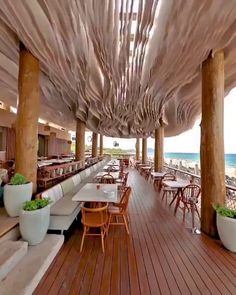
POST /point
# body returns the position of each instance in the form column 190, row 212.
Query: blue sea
column 230, row 159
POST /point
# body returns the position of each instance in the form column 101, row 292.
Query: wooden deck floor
column 159, row 257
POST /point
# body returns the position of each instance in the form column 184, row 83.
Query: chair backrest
column 191, row 193
column 124, row 201
column 107, row 178
column 169, row 176
column 91, row 214
column 125, row 178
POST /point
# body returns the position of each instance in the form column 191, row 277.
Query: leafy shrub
column 18, row 179
column 36, row 204
column 224, row 211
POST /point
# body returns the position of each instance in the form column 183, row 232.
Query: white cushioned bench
column 63, row 210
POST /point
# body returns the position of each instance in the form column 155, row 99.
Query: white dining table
column 113, row 167
column 93, row 192
column 176, row 184
column 157, row 174
column 113, row 163
column 115, row 175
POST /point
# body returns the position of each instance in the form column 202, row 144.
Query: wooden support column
column 159, row 150
column 94, row 145
column 27, row 116
column 80, row 141
column 144, row 150
column 101, row 145
column 212, row 141
column 137, row 149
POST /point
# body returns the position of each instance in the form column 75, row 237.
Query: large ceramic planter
column 34, row 224
column 227, row 231
column 15, row 196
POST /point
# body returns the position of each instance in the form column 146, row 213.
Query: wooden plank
column 116, row 272
column 107, row 267
column 50, row 276
column 64, row 272
column 88, row 275
column 85, row 257
column 158, row 257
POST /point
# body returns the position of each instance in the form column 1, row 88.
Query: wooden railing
column 230, row 190
column 91, row 161
column 119, row 155
column 48, row 175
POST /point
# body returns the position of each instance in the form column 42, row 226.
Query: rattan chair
column 94, row 218
column 168, row 191
column 120, row 210
column 123, row 179
column 107, row 178
column 189, row 197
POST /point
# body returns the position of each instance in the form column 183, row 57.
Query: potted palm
column 34, row 220
column 16, row 193
column 226, row 226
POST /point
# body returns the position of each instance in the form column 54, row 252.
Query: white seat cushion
column 67, row 185
column 55, row 193
column 76, row 179
column 64, row 206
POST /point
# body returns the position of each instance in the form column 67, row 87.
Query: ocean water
column 230, row 159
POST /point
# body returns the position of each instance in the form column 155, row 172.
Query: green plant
column 36, row 204
column 18, row 179
column 224, row 211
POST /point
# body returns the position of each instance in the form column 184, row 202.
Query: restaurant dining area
column 79, row 217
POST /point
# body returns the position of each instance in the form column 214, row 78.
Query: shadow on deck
column 159, row 257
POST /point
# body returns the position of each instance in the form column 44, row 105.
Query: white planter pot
column 34, row 225
column 227, row 231
column 15, row 196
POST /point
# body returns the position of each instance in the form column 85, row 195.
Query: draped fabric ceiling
column 118, row 65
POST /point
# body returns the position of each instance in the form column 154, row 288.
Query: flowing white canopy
column 118, row 65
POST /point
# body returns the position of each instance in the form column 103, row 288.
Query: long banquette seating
column 63, row 210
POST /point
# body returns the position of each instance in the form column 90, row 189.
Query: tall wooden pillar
column 101, row 145
column 80, row 141
column 137, row 149
column 94, row 145
column 159, row 151
column 212, row 141
column 144, row 150
column 27, row 116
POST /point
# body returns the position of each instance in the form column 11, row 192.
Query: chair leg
column 128, row 219
column 126, row 225
column 184, row 213
column 82, row 240
column 108, row 223
column 102, row 240
column 163, row 195
column 197, row 212
column 193, row 221
column 177, row 205
column 154, row 184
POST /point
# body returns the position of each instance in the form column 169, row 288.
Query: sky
column 188, row 142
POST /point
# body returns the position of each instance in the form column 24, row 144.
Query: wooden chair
column 120, row 210
column 168, row 191
column 107, row 178
column 123, row 179
column 147, row 173
column 94, row 218
column 189, row 197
